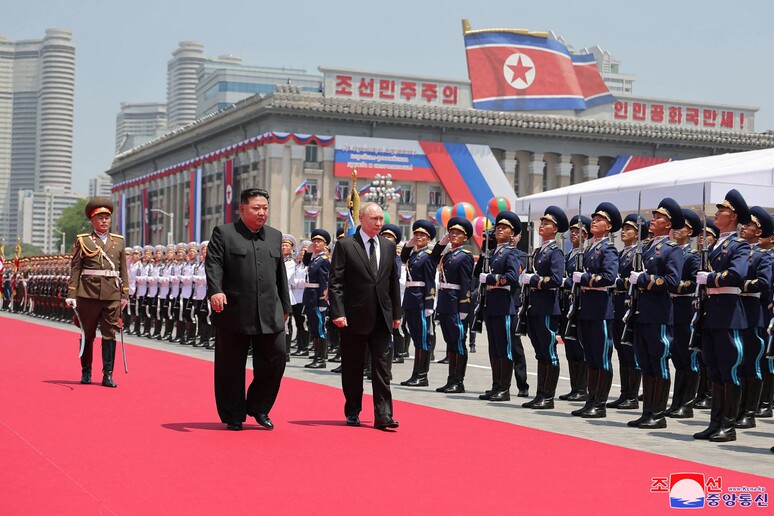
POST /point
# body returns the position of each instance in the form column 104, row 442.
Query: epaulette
column 466, row 251
column 428, row 251
column 324, row 257
column 693, row 251
column 671, row 243
column 739, row 240
column 82, row 235
column 116, row 235
column 609, row 243
column 553, row 246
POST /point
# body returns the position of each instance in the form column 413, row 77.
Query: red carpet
column 155, row 446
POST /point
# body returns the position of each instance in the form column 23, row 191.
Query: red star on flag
column 519, row 70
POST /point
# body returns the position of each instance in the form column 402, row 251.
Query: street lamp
column 382, row 191
column 170, row 239
column 62, row 246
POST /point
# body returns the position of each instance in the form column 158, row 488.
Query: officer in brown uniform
column 99, row 286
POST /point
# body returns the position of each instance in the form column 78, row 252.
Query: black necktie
column 372, row 256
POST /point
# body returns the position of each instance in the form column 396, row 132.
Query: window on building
column 405, row 228
column 516, row 179
column 310, row 224
column 545, row 177
column 311, row 154
column 342, row 190
column 435, row 197
column 311, row 194
column 406, row 195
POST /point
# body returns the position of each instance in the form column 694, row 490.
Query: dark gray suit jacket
column 249, row 269
column 354, row 292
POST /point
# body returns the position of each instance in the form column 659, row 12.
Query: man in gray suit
column 364, row 296
column 248, row 290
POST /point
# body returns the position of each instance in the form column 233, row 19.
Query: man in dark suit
column 364, row 295
column 248, row 290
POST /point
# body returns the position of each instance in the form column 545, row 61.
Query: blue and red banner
column 195, row 206
column 228, row 191
column 623, row 164
column 512, row 71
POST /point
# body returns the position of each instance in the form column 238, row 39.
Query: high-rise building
column 38, row 210
column 100, row 186
column 181, row 83
column 37, row 89
column 138, row 123
column 226, row 81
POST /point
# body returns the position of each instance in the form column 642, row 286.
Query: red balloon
column 498, row 204
column 464, row 210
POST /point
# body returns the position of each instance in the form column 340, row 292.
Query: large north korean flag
column 510, row 71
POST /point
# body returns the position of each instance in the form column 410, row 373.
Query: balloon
column 386, row 218
column 480, row 224
column 465, row 210
column 498, row 204
column 443, row 215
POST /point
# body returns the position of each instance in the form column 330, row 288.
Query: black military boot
column 690, row 385
column 108, row 359
column 86, row 359
column 506, row 373
column 549, row 388
column 321, row 356
column 658, row 408
column 716, row 412
column 751, row 397
column 211, row 337
column 459, row 375
column 541, row 380
column 597, row 409
column 315, row 352
column 399, row 341
column 678, row 394
column 648, row 390
column 421, row 367
column 496, row 371
column 704, row 392
column 767, row 393
column 624, row 373
column 415, row 371
column 632, row 389
column 450, row 378
column 732, row 395
column 302, row 345
column 86, row 374
column 593, row 381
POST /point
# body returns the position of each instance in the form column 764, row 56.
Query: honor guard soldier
column 454, row 292
column 173, row 323
column 199, row 310
column 395, row 235
column 580, row 227
column 543, row 310
column 724, row 319
column 629, row 369
column 595, row 315
column 187, row 337
column 500, row 283
column 133, row 256
column 315, row 296
column 685, row 360
column 419, row 298
column 704, row 392
column 662, row 261
column 153, row 290
column 142, row 290
column 767, row 360
column 754, row 337
column 297, row 284
column 288, row 254
column 99, row 287
column 163, row 295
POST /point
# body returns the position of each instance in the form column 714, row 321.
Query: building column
column 510, row 168
column 535, row 167
column 591, row 170
column 564, row 171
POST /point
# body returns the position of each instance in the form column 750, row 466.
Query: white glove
column 525, row 278
column 322, row 308
column 72, row 303
column 633, row 277
column 428, row 312
column 464, row 315
column 124, row 302
column 482, row 278
column 701, row 277
column 576, row 277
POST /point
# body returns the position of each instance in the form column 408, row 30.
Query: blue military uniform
column 663, row 264
column 419, row 301
column 628, row 368
column 595, row 313
column 767, row 360
column 454, row 306
column 573, row 350
column 314, row 299
column 756, row 286
column 685, row 360
column 543, row 310
column 723, row 323
column 501, row 306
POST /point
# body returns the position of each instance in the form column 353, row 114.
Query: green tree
column 72, row 222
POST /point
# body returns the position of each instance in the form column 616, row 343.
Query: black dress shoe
column 383, row 423
column 264, row 421
column 353, row 421
column 523, row 393
column 336, row 370
column 234, row 426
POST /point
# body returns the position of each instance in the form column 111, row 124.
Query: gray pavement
column 749, row 453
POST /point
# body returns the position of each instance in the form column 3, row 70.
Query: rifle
column 627, row 338
column 478, row 316
column 571, row 331
column 521, row 322
column 700, row 297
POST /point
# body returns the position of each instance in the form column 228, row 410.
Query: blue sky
column 708, row 51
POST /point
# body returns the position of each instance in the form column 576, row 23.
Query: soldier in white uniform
column 142, row 290
column 162, row 312
column 174, row 292
column 186, row 295
column 297, row 284
column 202, row 310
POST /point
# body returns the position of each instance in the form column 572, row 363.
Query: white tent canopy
column 752, row 173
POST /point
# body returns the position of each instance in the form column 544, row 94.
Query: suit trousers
column 353, row 349
column 230, row 361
